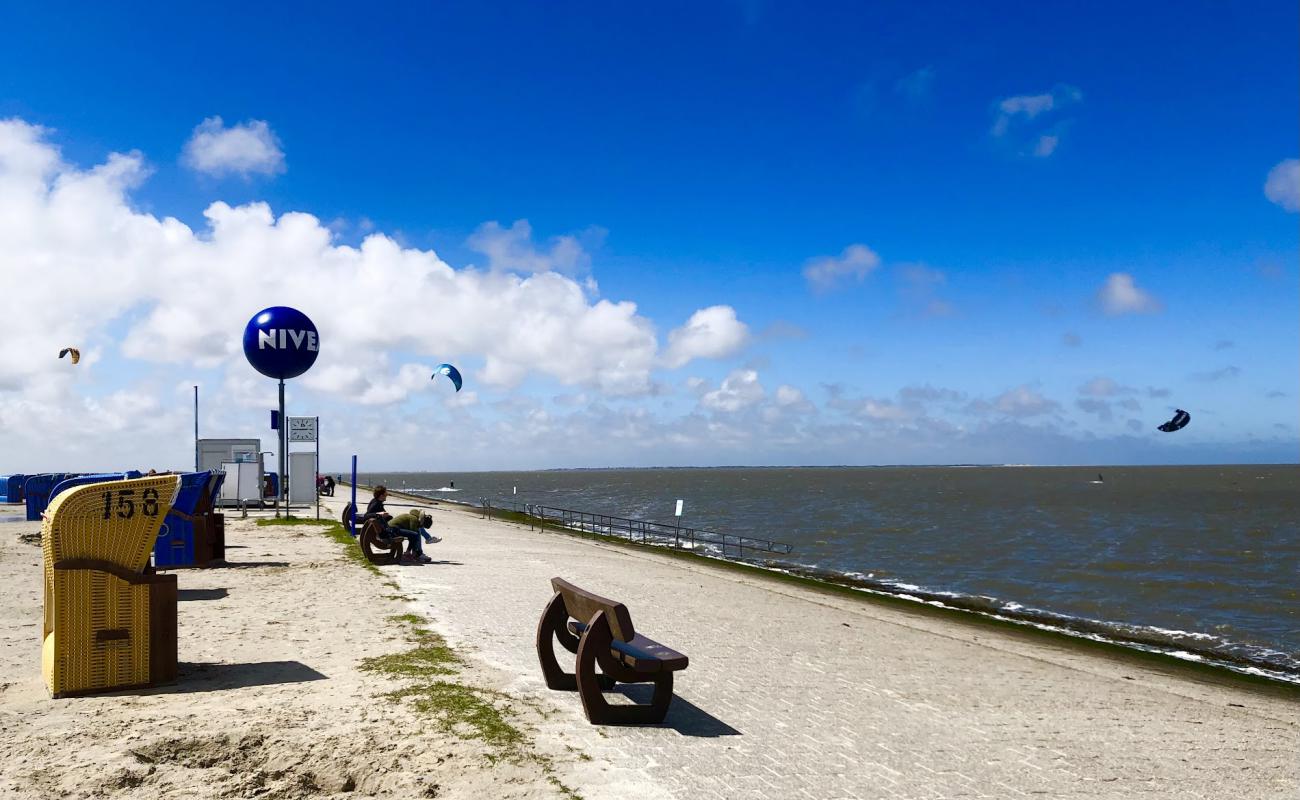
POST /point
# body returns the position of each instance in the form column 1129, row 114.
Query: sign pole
column 283, row 437
column 318, row 472
column 352, row 520
column 281, row 343
column 196, row 428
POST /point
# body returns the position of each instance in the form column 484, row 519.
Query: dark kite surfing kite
column 1180, row 420
column 72, row 351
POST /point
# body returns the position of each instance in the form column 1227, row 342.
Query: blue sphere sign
column 281, row 342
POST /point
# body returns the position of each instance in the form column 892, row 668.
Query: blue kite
column 450, row 372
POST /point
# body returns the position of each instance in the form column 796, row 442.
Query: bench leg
column 372, row 547
column 552, row 625
column 593, row 648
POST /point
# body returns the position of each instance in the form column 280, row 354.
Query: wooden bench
column 373, row 539
column 599, row 631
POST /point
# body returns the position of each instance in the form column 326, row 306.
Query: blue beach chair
column 36, row 492
column 175, row 546
column 11, row 488
column 81, row 480
column 214, row 487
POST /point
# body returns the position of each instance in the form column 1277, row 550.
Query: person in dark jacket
column 375, row 510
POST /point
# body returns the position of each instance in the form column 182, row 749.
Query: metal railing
column 705, row 542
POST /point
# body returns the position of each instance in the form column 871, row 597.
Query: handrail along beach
column 660, row 534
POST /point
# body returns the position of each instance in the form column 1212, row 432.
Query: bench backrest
column 583, row 605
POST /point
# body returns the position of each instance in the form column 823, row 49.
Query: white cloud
column 1102, row 386
column 513, row 249
column 1283, row 184
column 712, row 332
column 249, row 148
column 884, row 411
column 1222, row 373
column 1091, row 405
column 856, row 262
column 1033, row 123
column 1023, row 401
column 1120, row 295
column 787, row 395
column 1026, row 107
column 171, row 295
column 740, row 389
column 920, row 287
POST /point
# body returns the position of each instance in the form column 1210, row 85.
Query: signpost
column 282, row 343
column 307, row 429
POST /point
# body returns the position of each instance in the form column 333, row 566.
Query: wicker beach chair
column 109, row 623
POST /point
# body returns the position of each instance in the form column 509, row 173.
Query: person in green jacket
column 412, row 523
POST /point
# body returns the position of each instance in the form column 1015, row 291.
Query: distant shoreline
column 816, row 467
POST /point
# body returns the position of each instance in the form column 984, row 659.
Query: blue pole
column 352, row 523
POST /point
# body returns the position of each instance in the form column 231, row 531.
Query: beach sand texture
column 791, row 692
column 270, row 702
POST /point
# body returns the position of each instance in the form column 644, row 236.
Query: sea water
column 1202, row 562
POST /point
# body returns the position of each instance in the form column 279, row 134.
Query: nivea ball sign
column 281, row 342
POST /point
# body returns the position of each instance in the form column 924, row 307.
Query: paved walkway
column 794, row 693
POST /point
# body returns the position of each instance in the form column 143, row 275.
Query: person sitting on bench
column 375, row 510
column 413, row 525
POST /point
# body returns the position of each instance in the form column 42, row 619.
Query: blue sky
column 1062, row 216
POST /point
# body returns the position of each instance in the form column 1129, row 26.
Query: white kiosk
column 243, row 482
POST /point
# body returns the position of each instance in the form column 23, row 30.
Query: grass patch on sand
column 288, row 520
column 334, row 530
column 468, row 712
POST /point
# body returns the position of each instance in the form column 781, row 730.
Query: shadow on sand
column 684, row 716
column 437, row 563
column 205, row 677
column 201, row 594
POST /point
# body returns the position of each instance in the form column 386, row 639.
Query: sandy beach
column 270, row 701
column 792, row 691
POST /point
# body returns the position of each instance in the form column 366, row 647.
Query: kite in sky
column 1180, row 420
column 450, row 372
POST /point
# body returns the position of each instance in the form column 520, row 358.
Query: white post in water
column 677, row 534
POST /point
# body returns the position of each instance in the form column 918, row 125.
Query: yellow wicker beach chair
column 108, row 624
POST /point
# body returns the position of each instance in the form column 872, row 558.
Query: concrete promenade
column 797, row 693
